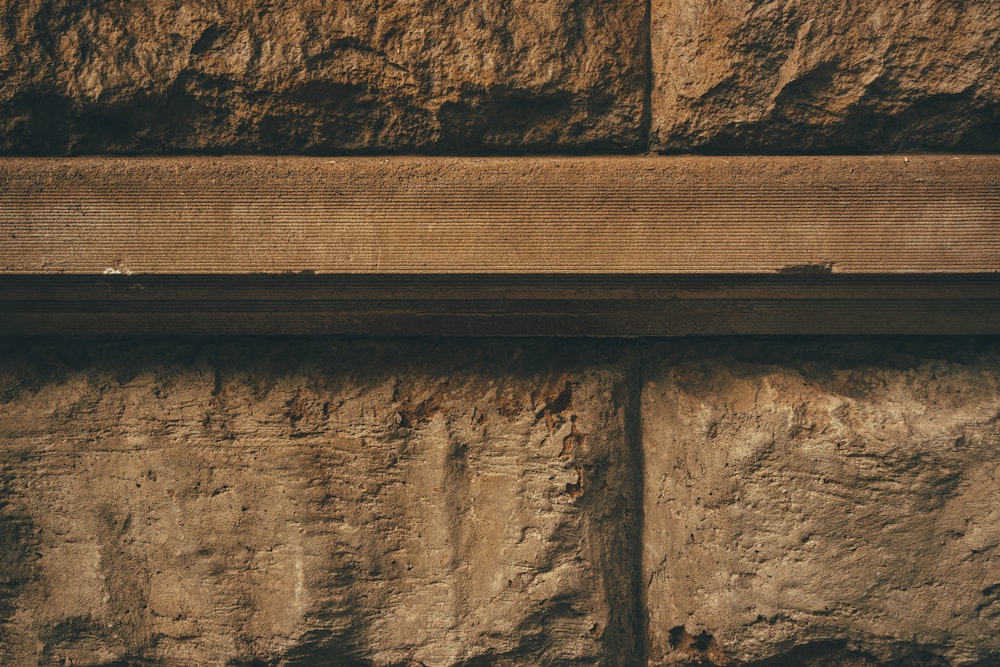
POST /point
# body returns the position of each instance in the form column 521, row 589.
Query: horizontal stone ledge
column 553, row 246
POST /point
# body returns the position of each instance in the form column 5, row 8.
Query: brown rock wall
column 320, row 77
column 822, row 503
column 461, row 77
column 456, row 503
column 196, row 503
column 814, row 76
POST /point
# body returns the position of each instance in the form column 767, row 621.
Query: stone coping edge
column 602, row 246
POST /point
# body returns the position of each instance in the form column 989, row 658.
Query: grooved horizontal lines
column 922, row 214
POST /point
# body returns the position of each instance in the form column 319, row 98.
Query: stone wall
column 470, row 502
column 375, row 76
column 499, row 502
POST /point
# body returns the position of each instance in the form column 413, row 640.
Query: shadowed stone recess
column 320, row 77
column 822, row 503
column 311, row 502
column 812, row 76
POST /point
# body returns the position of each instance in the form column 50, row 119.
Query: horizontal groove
column 309, row 287
column 608, row 305
column 944, row 320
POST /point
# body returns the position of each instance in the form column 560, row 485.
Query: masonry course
column 572, row 76
column 306, row 501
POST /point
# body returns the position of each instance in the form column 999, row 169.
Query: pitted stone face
column 823, row 502
column 816, row 76
column 293, row 77
column 230, row 502
column 798, row 76
column 449, row 503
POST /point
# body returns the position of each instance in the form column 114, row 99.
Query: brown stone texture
column 293, row 76
column 822, row 502
column 316, row 502
column 754, row 502
column 817, row 76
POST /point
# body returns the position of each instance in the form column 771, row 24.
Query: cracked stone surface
column 320, row 77
column 191, row 502
column 815, row 76
column 822, row 503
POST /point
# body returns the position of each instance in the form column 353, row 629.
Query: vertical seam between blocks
column 640, row 652
column 646, row 126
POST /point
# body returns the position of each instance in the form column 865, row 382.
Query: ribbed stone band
column 577, row 246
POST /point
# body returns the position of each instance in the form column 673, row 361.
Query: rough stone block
column 316, row 502
column 320, row 77
column 816, row 76
column 823, row 503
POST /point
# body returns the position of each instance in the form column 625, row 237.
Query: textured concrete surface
column 816, row 76
column 292, row 77
column 191, row 502
column 822, row 502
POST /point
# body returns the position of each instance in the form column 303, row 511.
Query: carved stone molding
column 615, row 246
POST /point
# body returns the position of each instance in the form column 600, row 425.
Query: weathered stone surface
column 316, row 76
column 810, row 75
column 823, row 502
column 323, row 502
column 195, row 502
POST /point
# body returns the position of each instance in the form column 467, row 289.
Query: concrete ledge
column 570, row 246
